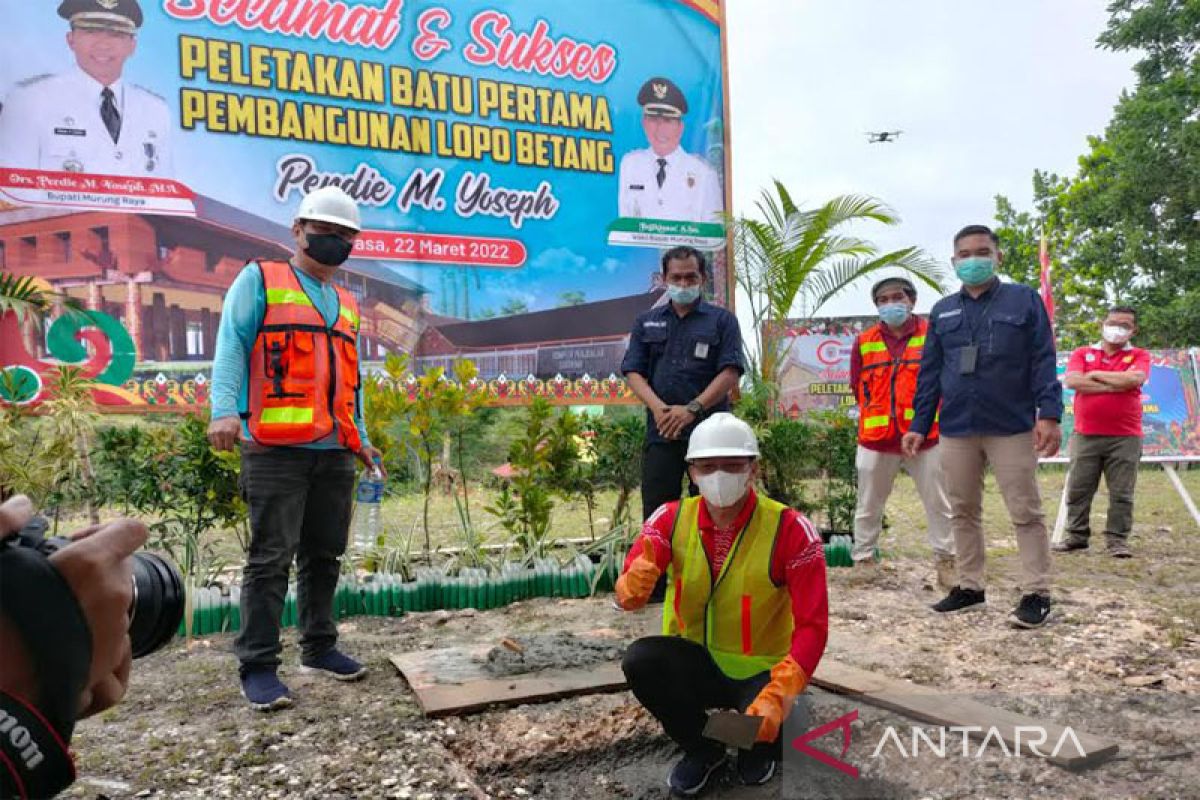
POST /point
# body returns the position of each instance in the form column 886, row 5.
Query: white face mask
column 723, row 489
column 1115, row 334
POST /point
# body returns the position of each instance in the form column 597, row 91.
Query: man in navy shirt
column 684, row 358
column 989, row 360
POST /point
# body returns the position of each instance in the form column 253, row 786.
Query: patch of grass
column 1164, row 568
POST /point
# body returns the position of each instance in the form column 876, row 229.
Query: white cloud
column 559, row 259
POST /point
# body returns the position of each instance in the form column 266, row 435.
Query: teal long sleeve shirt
column 242, row 314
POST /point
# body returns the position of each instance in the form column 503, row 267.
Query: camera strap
column 37, row 601
column 34, row 759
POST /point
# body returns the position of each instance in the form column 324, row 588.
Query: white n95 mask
column 723, row 489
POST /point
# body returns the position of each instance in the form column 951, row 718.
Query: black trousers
column 678, row 682
column 300, row 504
column 663, row 469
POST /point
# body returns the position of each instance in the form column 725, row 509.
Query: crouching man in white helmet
column 286, row 386
column 746, row 613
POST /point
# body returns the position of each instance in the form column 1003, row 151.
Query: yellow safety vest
column 743, row 618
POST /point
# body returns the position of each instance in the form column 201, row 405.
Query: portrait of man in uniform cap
column 663, row 181
column 89, row 118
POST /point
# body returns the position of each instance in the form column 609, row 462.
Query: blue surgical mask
column 975, row 271
column 894, row 314
column 683, row 295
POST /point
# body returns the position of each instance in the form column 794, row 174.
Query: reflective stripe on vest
column 278, row 297
column 287, row 415
column 741, row 617
column 303, row 371
column 301, row 298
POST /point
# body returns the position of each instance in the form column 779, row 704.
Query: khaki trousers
column 1014, row 463
column 876, row 477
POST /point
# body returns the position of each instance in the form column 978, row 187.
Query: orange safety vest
column 303, row 373
column 887, row 387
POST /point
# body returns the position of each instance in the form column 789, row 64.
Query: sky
column 985, row 92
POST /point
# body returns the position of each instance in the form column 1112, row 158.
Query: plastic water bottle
column 369, row 499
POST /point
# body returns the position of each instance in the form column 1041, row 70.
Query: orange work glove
column 775, row 700
column 635, row 586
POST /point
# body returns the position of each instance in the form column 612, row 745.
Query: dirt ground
column 1118, row 660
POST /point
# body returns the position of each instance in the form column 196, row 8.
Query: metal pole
column 1183, row 492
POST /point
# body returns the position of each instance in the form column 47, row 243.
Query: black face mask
column 328, row 248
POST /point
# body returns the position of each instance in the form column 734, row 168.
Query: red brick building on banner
column 164, row 277
column 587, row 339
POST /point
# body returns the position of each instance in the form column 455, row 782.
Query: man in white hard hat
column 286, row 386
column 884, row 362
column 746, row 614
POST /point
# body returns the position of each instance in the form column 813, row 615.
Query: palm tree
column 55, row 455
column 791, row 262
column 22, row 296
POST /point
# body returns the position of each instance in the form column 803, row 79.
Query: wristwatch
column 696, row 408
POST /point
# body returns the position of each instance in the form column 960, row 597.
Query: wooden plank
column 440, row 698
column 452, row 681
column 924, row 704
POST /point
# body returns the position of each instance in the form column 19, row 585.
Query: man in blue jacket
column 989, row 361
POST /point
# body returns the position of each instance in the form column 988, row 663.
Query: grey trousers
column 300, row 503
column 1117, row 459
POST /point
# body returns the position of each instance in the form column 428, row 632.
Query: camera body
column 158, row 594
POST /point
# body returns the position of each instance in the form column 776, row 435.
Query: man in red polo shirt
column 746, row 615
column 1107, row 378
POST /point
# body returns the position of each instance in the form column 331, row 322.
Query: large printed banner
column 815, row 374
column 512, row 161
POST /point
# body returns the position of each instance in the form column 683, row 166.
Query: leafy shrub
column 618, row 443
column 789, row 456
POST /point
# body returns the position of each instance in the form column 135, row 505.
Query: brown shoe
column 1118, row 548
column 1070, row 545
column 947, row 572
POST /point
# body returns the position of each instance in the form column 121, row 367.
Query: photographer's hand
column 14, row 513
column 17, row 674
column 98, row 570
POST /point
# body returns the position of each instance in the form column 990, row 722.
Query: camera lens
column 158, row 600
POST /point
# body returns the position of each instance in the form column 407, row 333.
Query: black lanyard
column 983, row 315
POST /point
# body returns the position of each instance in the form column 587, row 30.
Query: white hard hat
column 330, row 204
column 720, row 435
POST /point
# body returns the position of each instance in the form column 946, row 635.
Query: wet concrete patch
column 519, row 655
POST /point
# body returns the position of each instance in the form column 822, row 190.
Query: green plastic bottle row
column 838, row 551
column 385, row 595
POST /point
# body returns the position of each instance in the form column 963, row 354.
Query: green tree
column 1127, row 221
column 1083, row 287
column 572, row 298
column 791, row 261
column 524, row 510
column 463, row 397
column 514, row 306
column 618, row 444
